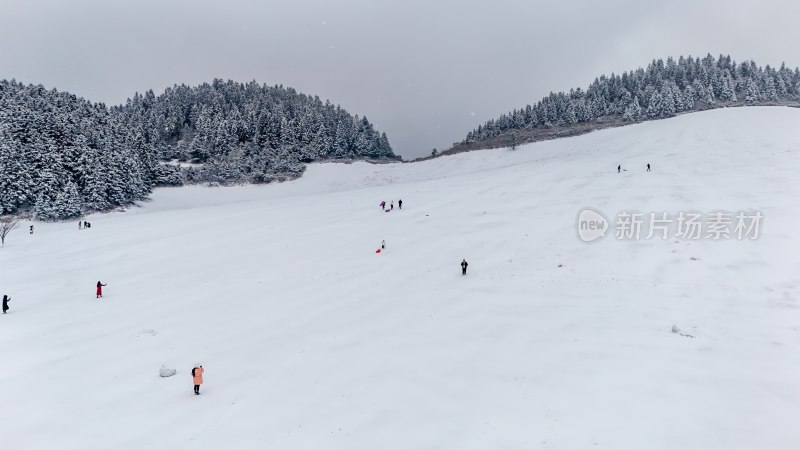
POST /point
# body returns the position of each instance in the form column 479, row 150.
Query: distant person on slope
column 6, row 299
column 648, row 167
column 100, row 289
column 619, row 168
column 80, row 224
column 383, row 244
column 31, row 229
column 391, row 205
column 464, row 267
column 197, row 377
column 383, row 204
column 400, row 203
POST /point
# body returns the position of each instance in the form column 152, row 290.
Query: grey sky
column 426, row 72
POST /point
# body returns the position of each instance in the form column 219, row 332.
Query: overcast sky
column 425, row 72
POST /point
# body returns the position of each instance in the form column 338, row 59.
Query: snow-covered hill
column 311, row 340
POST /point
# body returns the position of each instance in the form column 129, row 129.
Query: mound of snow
column 166, row 372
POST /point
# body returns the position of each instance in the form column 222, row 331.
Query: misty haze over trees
column 61, row 155
column 663, row 89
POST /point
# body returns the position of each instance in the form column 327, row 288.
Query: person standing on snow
column 383, row 204
column 197, row 377
column 648, row 167
column 80, row 224
column 619, row 168
column 6, row 299
column 31, row 229
column 464, row 267
column 100, row 289
column 383, row 244
column 391, row 205
column 400, row 203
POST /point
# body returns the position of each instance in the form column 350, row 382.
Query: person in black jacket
column 464, row 267
column 6, row 299
column 400, row 203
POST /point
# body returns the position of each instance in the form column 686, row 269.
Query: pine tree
column 67, row 203
column 633, row 112
column 727, row 92
column 710, row 98
column 688, row 98
column 655, row 107
column 677, row 98
column 667, row 103
column 751, row 91
column 770, row 91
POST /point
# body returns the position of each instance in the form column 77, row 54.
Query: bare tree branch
column 6, row 225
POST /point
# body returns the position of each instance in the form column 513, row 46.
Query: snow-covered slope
column 311, row 340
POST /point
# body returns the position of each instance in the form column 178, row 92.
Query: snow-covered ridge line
column 663, row 89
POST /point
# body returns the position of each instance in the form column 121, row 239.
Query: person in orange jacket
column 197, row 377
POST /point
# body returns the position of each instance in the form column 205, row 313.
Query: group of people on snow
column 382, row 204
column 7, row 299
column 619, row 168
column 197, row 371
column 81, row 224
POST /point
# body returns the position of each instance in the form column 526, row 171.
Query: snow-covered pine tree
column 688, row 98
column 727, row 93
column 633, row 112
column 751, row 91
column 770, row 91
column 655, row 106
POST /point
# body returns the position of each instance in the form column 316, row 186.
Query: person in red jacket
column 197, row 377
column 100, row 289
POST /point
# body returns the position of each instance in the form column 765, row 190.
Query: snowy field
column 311, row 340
